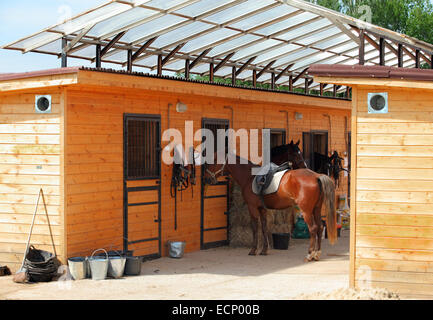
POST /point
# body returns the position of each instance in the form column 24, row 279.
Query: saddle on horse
column 269, row 181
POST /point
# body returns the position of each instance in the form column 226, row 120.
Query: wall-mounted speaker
column 43, row 104
column 378, row 102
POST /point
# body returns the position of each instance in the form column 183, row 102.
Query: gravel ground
column 215, row 274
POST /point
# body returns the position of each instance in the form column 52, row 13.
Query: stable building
column 392, row 176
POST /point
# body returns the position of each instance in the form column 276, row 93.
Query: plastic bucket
column 133, row 266
column 176, row 249
column 78, row 267
column 99, row 266
column 281, row 240
column 116, row 265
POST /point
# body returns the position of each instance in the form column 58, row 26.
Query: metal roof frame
column 257, row 33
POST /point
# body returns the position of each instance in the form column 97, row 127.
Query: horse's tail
column 328, row 191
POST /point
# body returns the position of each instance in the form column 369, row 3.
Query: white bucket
column 99, row 266
column 116, row 266
column 176, row 249
column 78, row 267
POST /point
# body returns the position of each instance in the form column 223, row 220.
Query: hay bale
column 240, row 232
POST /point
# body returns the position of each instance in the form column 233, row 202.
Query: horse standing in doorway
column 303, row 187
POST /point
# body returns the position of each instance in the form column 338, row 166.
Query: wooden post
column 273, row 80
column 129, row 64
column 347, row 92
column 64, row 55
column 211, row 72
column 98, row 56
column 322, row 87
column 254, row 78
column 187, row 69
column 400, row 55
column 291, row 83
column 417, row 59
column 361, row 47
column 233, row 75
column 334, row 91
column 159, row 65
column 307, row 86
column 431, row 61
column 382, row 51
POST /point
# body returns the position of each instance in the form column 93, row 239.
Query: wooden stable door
column 142, row 185
column 214, row 200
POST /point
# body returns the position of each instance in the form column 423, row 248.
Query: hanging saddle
column 269, row 181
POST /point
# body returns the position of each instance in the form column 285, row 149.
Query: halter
column 214, row 174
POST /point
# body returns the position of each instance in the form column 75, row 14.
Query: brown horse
column 303, row 187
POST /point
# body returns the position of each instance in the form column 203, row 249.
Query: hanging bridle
column 221, row 170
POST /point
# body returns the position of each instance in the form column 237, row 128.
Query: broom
column 21, row 276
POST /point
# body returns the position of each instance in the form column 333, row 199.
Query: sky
column 21, row 18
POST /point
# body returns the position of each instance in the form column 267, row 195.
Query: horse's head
column 294, row 155
column 215, row 170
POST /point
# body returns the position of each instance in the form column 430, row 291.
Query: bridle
column 300, row 160
column 221, row 170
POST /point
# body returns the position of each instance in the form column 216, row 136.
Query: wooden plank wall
column 394, row 193
column 94, row 156
column 30, row 148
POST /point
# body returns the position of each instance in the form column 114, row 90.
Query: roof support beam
column 361, row 57
column 112, row 43
column 199, row 58
column 382, row 51
column 246, row 64
column 283, row 72
column 187, row 64
column 64, row 54
column 142, row 49
column 272, row 80
column 254, row 78
column 223, row 62
column 129, row 62
column 234, row 75
column 400, row 55
column 300, row 75
column 172, row 53
column 211, row 72
column 98, row 56
column 265, row 69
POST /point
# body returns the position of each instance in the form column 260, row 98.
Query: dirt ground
column 215, row 274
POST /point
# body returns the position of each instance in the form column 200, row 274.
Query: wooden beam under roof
column 223, row 62
column 284, row 71
column 300, row 75
column 172, row 53
column 261, row 72
column 142, row 49
column 112, row 43
column 246, row 64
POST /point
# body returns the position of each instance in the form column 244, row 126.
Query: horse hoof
column 310, row 257
column 252, row 253
column 264, row 253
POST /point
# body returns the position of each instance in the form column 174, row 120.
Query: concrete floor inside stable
column 221, row 273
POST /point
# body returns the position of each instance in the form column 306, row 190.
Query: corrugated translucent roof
column 271, row 34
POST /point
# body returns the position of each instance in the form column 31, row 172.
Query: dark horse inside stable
column 306, row 188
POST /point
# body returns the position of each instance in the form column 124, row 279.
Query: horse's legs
column 265, row 232
column 312, row 227
column 254, row 214
column 318, row 221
